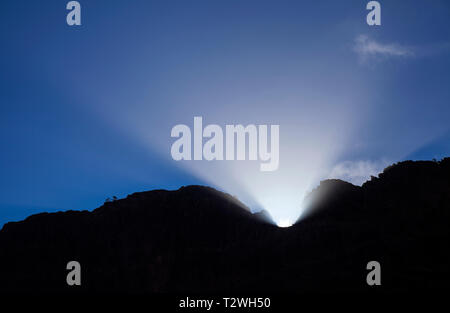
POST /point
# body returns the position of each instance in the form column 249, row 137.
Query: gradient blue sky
column 86, row 112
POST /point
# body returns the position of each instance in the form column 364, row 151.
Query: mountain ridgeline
column 197, row 239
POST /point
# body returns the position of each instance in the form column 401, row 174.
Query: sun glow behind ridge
column 284, row 223
column 315, row 126
column 307, row 151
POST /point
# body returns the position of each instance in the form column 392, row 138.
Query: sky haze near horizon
column 86, row 111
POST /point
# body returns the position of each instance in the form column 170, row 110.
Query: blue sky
column 86, row 111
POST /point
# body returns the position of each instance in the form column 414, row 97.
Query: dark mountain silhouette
column 197, row 239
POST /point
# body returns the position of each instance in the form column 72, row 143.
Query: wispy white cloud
column 358, row 172
column 368, row 48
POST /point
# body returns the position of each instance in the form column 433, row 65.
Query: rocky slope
column 197, row 239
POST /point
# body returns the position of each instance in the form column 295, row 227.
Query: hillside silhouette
column 197, row 239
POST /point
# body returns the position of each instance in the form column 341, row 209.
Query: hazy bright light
column 316, row 113
column 284, row 223
column 307, row 151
